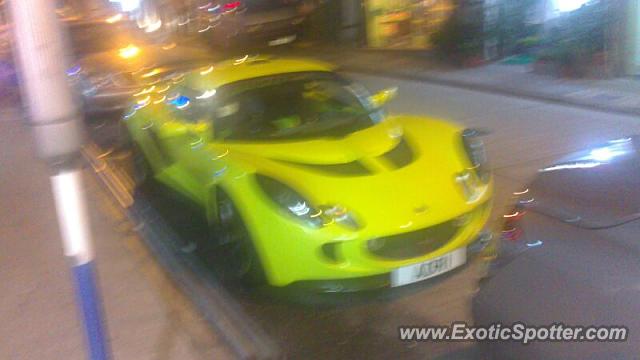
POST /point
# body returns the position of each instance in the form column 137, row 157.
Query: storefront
column 404, row 24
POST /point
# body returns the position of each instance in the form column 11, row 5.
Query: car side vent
column 400, row 156
column 353, row 168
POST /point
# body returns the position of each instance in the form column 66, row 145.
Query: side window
column 363, row 95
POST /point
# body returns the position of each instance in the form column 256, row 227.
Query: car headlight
column 339, row 215
column 302, row 209
column 474, row 146
column 291, row 201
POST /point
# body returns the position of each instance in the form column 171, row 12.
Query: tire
column 234, row 238
column 141, row 169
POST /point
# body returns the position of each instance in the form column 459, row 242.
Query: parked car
column 112, row 59
column 570, row 255
column 238, row 24
column 84, row 37
column 106, row 81
column 308, row 180
column 90, row 36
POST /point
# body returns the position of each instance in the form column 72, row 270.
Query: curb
column 240, row 333
column 511, row 92
column 246, row 338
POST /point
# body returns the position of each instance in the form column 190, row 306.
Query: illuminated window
column 569, row 5
column 127, row 5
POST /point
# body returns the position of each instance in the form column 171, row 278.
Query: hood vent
column 400, row 156
column 353, row 168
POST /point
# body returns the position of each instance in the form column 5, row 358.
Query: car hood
column 400, row 173
column 595, row 188
column 370, row 142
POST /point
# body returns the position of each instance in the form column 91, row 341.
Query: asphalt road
column 525, row 135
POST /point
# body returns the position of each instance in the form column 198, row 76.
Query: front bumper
column 265, row 33
column 291, row 252
column 474, row 249
column 108, row 101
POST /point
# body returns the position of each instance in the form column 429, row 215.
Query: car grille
column 415, row 243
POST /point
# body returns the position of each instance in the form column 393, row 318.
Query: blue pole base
column 89, row 301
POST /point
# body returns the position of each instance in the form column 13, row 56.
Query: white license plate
column 428, row 269
column 282, row 40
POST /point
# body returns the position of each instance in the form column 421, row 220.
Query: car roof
column 245, row 68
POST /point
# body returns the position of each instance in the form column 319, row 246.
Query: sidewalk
column 613, row 95
column 147, row 316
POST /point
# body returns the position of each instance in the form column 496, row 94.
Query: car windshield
column 293, row 106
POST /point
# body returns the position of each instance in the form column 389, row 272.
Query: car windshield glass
column 292, row 106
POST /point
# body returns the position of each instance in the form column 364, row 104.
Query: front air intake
column 415, row 243
column 401, row 155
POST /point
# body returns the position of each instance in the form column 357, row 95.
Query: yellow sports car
column 308, row 179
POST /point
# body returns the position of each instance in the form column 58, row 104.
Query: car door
column 180, row 134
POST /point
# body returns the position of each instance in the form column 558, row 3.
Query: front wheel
column 141, row 169
column 236, row 242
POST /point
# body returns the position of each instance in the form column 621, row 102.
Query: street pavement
column 148, row 318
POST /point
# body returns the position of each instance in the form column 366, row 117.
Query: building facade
column 632, row 55
column 404, row 24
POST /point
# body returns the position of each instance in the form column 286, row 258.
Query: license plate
column 282, row 40
column 428, row 269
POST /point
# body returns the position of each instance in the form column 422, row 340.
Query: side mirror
column 379, row 99
column 200, row 128
column 171, row 129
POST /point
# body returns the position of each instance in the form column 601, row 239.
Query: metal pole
column 632, row 55
column 40, row 52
